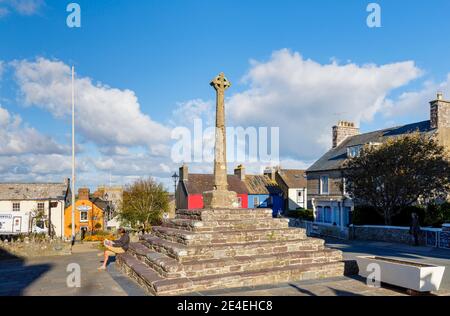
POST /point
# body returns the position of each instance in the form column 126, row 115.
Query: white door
column 17, row 224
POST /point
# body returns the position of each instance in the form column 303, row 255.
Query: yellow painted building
column 89, row 214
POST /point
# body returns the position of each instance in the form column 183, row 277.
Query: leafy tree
column 143, row 204
column 398, row 173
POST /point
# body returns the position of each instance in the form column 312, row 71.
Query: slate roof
column 260, row 184
column 199, row 183
column 336, row 157
column 102, row 204
column 293, row 178
column 32, row 191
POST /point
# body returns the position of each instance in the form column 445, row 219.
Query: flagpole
column 73, row 156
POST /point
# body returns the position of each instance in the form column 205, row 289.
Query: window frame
column 256, row 201
column 87, row 216
column 40, row 204
column 322, row 191
column 14, row 208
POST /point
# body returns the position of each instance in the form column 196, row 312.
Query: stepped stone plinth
column 210, row 249
column 223, row 246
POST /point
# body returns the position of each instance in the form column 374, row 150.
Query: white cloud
column 22, row 7
column 187, row 112
column 416, row 103
column 17, row 138
column 106, row 116
column 305, row 98
column 1, row 62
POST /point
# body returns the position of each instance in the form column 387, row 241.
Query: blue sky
column 166, row 52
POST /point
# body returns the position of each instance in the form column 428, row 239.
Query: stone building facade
column 21, row 202
column 326, row 184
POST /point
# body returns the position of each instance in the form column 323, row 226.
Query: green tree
column 143, row 204
column 398, row 173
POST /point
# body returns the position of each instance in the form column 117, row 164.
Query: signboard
column 53, row 204
column 84, row 208
column 6, row 223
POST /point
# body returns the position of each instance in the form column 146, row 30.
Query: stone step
column 184, row 253
column 160, row 286
column 166, row 266
column 225, row 225
column 235, row 236
column 254, row 263
column 171, row 268
column 224, row 214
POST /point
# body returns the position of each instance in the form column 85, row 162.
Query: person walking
column 115, row 247
column 414, row 229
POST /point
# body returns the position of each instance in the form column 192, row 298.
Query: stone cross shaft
column 220, row 197
column 220, row 84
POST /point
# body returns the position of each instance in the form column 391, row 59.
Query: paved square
column 47, row 276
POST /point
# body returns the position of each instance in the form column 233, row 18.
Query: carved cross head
column 220, row 83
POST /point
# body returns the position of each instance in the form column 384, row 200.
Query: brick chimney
column 440, row 112
column 343, row 130
column 270, row 172
column 83, row 194
column 184, row 173
column 240, row 172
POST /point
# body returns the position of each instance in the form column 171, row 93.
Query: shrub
column 445, row 209
column 301, row 213
column 98, row 226
column 99, row 238
column 403, row 218
column 367, row 215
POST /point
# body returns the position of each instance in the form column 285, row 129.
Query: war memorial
column 222, row 246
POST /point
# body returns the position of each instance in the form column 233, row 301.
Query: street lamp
column 108, row 206
column 175, row 178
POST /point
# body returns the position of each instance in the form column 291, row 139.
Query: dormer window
column 354, row 151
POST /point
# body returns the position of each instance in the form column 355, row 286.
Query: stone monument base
column 211, row 249
column 220, row 199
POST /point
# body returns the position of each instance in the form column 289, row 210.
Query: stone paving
column 440, row 257
column 340, row 286
column 47, row 276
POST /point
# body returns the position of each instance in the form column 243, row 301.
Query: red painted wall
column 195, row 201
column 244, row 198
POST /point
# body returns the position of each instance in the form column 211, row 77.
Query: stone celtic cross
column 220, row 197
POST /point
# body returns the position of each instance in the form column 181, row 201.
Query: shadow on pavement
column 16, row 276
column 400, row 250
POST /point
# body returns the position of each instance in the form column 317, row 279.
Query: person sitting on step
column 115, row 247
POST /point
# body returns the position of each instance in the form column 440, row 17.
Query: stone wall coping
column 399, row 227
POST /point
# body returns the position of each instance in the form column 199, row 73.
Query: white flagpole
column 73, row 155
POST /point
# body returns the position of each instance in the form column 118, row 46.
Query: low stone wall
column 431, row 237
column 385, row 233
column 320, row 229
column 30, row 249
